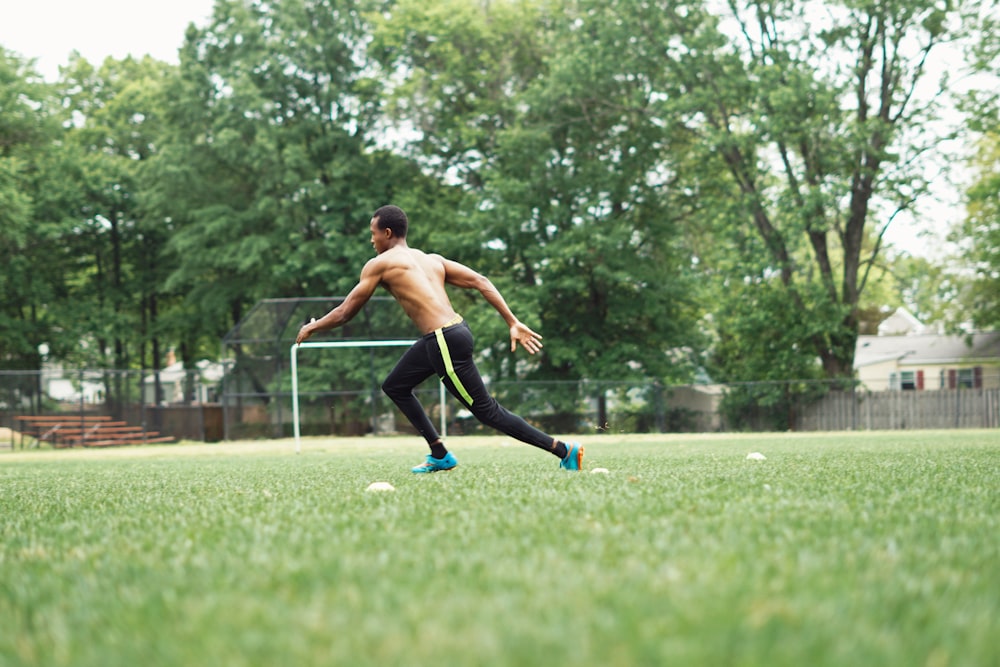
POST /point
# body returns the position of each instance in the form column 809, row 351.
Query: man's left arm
column 459, row 275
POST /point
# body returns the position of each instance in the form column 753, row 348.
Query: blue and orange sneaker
column 433, row 465
column 574, row 457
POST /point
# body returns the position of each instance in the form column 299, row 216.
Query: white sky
column 48, row 30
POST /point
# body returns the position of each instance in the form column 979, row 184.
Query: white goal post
column 293, row 353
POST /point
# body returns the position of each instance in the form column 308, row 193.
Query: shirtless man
column 417, row 281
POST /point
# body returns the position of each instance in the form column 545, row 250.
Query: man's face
column 380, row 237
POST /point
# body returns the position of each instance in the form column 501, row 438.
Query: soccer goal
column 294, row 366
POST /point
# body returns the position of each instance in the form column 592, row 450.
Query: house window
column 907, row 380
column 968, row 378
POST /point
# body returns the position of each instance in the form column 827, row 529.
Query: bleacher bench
column 86, row 430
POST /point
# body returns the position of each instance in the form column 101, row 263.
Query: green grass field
column 838, row 549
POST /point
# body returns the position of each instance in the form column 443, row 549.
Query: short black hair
column 394, row 218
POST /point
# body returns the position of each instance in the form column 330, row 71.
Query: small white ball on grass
column 599, row 471
column 756, row 456
column 381, row 486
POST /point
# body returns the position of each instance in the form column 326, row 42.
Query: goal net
column 328, row 385
column 342, row 344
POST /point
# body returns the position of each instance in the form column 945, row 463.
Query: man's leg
column 455, row 365
column 412, row 369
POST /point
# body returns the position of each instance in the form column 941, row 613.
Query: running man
column 417, row 281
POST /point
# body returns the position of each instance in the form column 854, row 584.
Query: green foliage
column 810, row 130
column 269, row 175
column 859, row 548
column 558, row 163
column 117, row 124
column 29, row 266
column 980, row 235
column 760, row 346
column 934, row 291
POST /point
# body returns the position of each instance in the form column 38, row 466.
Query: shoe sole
column 427, row 472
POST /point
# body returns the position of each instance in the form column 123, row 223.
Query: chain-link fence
column 194, row 404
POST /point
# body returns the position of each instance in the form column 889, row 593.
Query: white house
column 207, row 376
column 905, row 356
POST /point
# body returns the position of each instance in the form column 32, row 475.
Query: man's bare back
column 416, row 280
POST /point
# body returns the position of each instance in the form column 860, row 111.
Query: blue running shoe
column 433, row 465
column 574, row 457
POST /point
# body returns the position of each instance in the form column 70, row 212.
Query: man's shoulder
column 417, row 255
column 399, row 257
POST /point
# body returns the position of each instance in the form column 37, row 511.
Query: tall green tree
column 271, row 171
column 115, row 127
column 979, row 236
column 32, row 275
column 549, row 135
column 813, row 111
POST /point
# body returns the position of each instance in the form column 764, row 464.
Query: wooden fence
column 900, row 410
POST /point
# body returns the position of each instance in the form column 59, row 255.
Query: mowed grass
column 838, row 549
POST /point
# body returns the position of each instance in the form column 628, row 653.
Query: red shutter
column 952, row 378
column 920, row 380
column 977, row 377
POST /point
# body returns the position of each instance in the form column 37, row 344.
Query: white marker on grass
column 381, row 486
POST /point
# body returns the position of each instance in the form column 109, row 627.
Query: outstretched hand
column 305, row 332
column 529, row 340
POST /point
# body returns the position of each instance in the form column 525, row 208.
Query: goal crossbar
column 294, row 359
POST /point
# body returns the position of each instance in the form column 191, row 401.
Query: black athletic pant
column 447, row 352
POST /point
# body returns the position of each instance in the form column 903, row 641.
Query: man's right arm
column 370, row 278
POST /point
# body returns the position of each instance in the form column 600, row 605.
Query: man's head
column 392, row 217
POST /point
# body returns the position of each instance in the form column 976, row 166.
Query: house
column 69, row 389
column 918, row 362
column 204, row 382
column 701, row 402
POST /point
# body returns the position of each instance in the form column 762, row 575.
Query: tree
column 117, row 117
column 270, row 174
column 979, row 236
column 31, row 271
column 812, row 109
column 548, row 132
column 272, row 167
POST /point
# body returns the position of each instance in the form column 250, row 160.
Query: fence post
column 81, row 394
column 854, row 406
column 958, row 405
column 660, row 409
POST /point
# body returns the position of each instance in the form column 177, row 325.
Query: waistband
column 450, row 323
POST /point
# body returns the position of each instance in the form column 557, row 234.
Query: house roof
column 921, row 349
column 900, row 322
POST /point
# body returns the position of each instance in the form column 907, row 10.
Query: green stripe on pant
column 449, row 368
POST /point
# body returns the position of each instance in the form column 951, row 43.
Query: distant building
column 906, row 357
column 204, row 383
